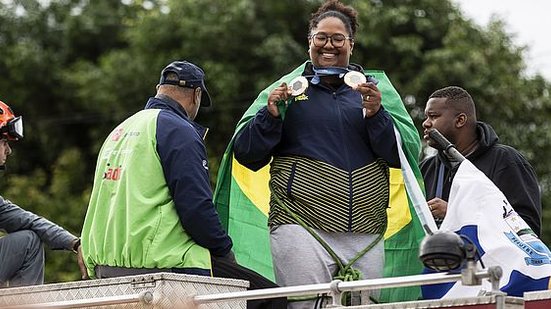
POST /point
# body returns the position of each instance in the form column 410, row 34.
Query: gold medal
column 298, row 86
column 354, row 78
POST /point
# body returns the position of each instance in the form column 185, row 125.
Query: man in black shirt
column 451, row 111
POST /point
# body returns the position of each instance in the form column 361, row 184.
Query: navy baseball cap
column 190, row 76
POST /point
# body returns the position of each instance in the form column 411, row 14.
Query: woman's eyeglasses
column 337, row 39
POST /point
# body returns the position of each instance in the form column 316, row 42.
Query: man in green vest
column 151, row 204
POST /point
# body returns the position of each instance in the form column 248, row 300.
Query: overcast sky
column 528, row 20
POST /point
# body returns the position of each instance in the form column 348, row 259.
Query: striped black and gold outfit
column 328, row 198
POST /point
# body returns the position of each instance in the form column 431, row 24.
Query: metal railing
column 335, row 288
column 143, row 297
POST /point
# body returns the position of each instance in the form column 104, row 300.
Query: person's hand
column 438, row 207
column 371, row 98
column 81, row 266
column 229, row 258
column 281, row 93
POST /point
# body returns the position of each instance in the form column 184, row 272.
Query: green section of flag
column 401, row 259
column 257, row 254
column 236, row 209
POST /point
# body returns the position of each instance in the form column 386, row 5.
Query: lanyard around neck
column 440, row 181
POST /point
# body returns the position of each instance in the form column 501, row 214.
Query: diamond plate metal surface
column 480, row 302
column 169, row 291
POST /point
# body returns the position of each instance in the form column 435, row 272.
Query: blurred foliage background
column 76, row 68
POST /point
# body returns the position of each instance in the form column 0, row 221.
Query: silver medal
column 354, row 78
column 298, row 86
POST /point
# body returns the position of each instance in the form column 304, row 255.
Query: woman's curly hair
column 334, row 8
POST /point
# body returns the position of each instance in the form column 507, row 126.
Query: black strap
column 103, row 271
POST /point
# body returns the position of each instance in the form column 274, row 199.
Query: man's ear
column 197, row 96
column 461, row 120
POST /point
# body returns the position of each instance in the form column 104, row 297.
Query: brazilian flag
column 242, row 198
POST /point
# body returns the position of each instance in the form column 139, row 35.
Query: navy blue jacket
column 326, row 125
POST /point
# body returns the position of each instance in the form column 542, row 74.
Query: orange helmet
column 11, row 127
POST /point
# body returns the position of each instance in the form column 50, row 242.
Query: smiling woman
column 329, row 31
column 330, row 148
column 328, row 44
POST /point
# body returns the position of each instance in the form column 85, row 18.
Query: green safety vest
column 131, row 219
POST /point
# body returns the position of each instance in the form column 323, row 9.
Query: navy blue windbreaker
column 326, row 125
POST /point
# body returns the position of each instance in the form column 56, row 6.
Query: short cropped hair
column 457, row 98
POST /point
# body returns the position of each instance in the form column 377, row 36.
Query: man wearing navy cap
column 151, row 205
